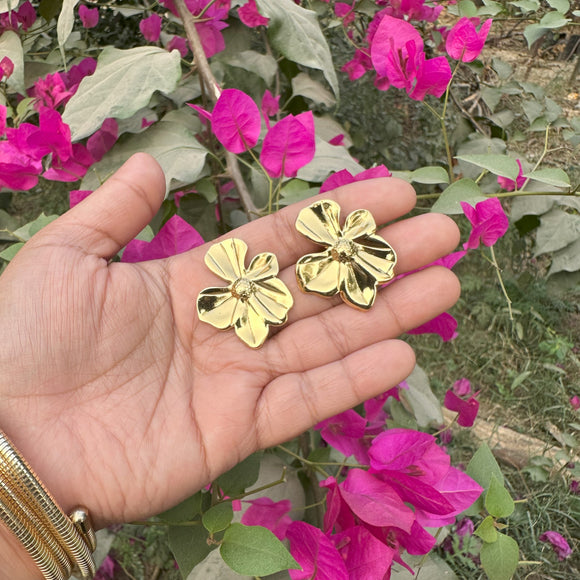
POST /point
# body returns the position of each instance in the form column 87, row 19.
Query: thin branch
column 210, row 82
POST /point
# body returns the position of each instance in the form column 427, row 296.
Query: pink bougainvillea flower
column 345, row 12
column 365, row 556
column 18, row 171
column 559, row 543
column 270, row 106
column 236, row 121
column 467, row 408
column 269, row 514
column 289, row 145
column 509, row 184
column 358, row 65
column 77, row 195
column 6, row 68
column 89, row 16
column 72, row 168
column 444, row 325
column 77, row 73
column 103, row 139
column 465, row 527
column 316, row 554
column 575, row 402
column 337, row 141
column 464, row 42
column 462, row 387
column 433, row 77
column 26, row 15
column 150, row 27
column 343, row 177
column 175, row 237
column 250, row 16
column 2, row 120
column 51, row 136
column 489, row 222
column 344, row 432
column 178, row 43
column 106, row 570
column 51, row 91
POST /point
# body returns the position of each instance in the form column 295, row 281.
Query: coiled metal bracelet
column 59, row 545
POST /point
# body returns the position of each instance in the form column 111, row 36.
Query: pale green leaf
column 189, row 546
column 218, row 517
column 11, row 47
column 242, row 476
column 553, row 176
column 503, row 69
column 173, row 146
column 503, row 118
column 123, row 83
column 481, row 467
column 566, row 260
column 553, row 20
column 28, row 230
column 7, row 5
column 430, row 175
column 303, row 84
column 65, row 23
column 295, row 33
column 498, row 501
column 500, row 559
column 557, row 230
column 425, row 405
column 467, row 8
column 255, row 551
column 533, row 33
column 486, row 530
column 491, row 96
column 497, row 164
column 560, row 5
column 7, row 225
column 297, row 195
column 490, row 8
column 263, row 65
column 533, row 89
column 462, row 190
column 11, row 251
column 526, row 5
column 186, row 511
column 328, row 158
column 532, row 109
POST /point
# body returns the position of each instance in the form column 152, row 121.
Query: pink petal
column 374, row 501
column 102, row 140
column 559, row 543
column 575, row 402
column 344, row 432
column 366, row 557
column 270, row 104
column 338, row 514
column 269, row 514
column 250, row 16
column 71, row 169
column 396, row 449
column 6, row 67
column 417, row 542
column 2, row 120
column 289, row 145
column 433, row 77
column 89, row 16
column 315, row 553
column 462, row 387
column 178, row 43
column 77, row 195
column 175, row 237
column 204, row 115
column 343, row 177
column 26, row 15
column 17, row 170
column 489, row 222
column 150, row 27
column 236, row 121
column 464, row 42
column 444, row 325
column 467, row 409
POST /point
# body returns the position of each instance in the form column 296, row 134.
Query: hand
column 123, row 401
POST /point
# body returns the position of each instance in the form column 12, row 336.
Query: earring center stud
column 344, row 250
column 242, row 289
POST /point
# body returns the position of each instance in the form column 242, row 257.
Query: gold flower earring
column 254, row 300
column 355, row 261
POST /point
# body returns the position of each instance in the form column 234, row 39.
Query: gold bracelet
column 59, row 545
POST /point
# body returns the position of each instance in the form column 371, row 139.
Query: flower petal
column 217, row 307
column 359, row 223
column 357, row 286
column 377, row 258
column 272, row 300
column 319, row 273
column 319, row 222
column 251, row 327
column 226, row 259
column 262, row 266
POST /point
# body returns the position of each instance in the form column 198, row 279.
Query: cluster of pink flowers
column 404, row 483
column 22, row 18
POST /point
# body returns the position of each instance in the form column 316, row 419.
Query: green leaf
column 186, row 511
column 255, row 551
column 241, row 477
column 11, row 251
column 48, row 9
column 65, row 23
column 497, row 164
column 490, row 8
column 400, row 416
column 486, row 530
column 196, row 210
column 557, row 230
column 11, row 47
column 532, row 109
column 500, row 559
column 560, row 5
column 28, row 230
column 467, row 8
column 303, row 84
column 526, row 5
column 498, row 501
column 462, row 190
column 263, row 65
column 566, row 260
column 328, row 158
column 432, row 174
column 420, row 398
column 533, row 33
column 556, row 177
column 491, row 96
column 553, row 20
column 123, row 83
column 481, row 468
column 533, row 89
column 295, row 32
column 178, row 152
column 503, row 69
column 189, row 546
column 218, row 517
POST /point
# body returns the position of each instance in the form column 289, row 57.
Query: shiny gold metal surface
column 254, row 300
column 355, row 260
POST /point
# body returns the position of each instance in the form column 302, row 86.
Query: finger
column 295, row 402
column 116, row 212
column 420, row 241
column 335, row 333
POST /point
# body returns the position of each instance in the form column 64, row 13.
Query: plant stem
column 305, row 461
column 503, row 289
column 209, row 80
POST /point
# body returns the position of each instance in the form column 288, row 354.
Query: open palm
column 122, row 400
